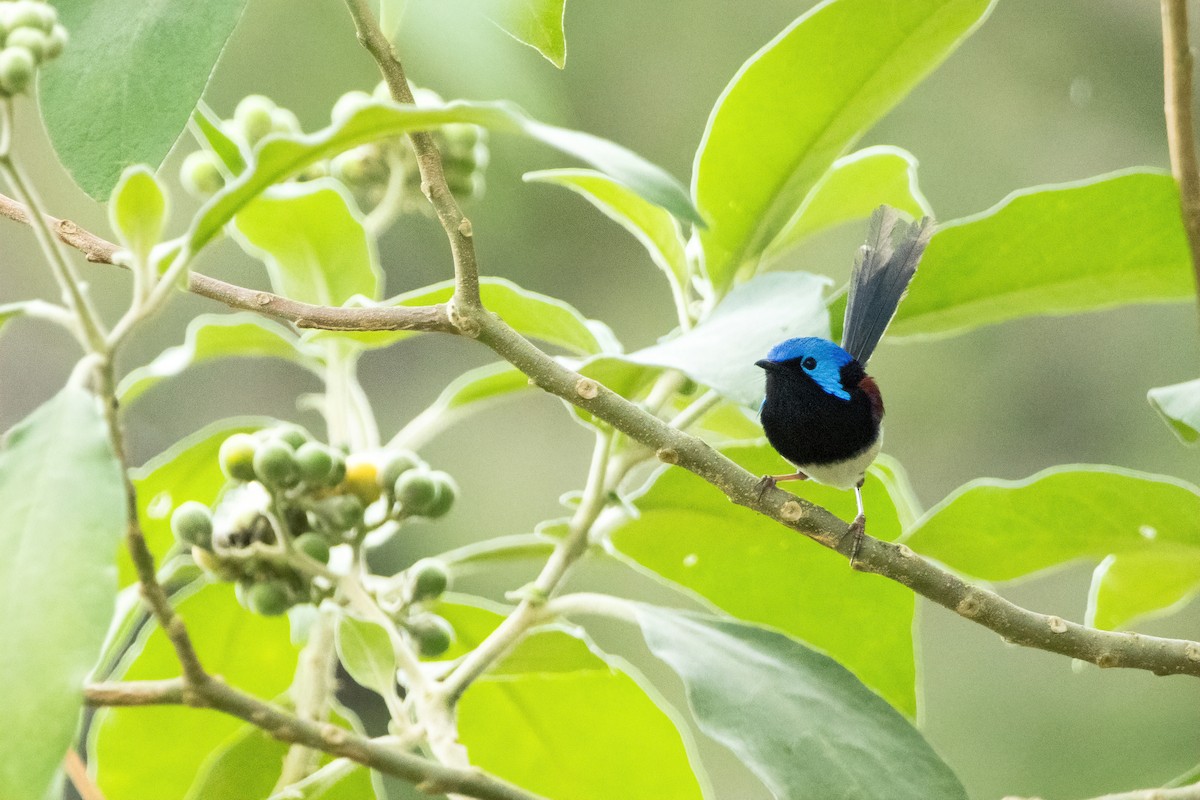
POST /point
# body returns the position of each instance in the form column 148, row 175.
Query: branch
column 429, row 776
column 303, row 315
column 429, row 163
column 1177, row 88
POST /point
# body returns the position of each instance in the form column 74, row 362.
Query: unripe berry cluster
column 367, row 169
column 291, row 500
column 408, row 601
column 31, row 36
column 255, row 117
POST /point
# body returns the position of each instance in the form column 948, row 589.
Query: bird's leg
column 769, row 481
column 857, row 527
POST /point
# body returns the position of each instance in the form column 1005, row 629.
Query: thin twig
column 429, row 163
column 429, row 776
column 527, row 613
column 1177, row 86
column 77, row 773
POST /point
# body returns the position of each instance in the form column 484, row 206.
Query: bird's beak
column 766, row 364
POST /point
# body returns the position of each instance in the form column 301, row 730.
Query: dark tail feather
column 881, row 274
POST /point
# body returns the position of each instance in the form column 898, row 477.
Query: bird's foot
column 856, row 530
column 770, row 481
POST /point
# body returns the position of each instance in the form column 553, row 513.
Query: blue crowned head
column 820, row 359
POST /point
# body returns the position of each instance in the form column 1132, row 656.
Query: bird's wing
column 880, row 278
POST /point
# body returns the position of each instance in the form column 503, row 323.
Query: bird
column 822, row 411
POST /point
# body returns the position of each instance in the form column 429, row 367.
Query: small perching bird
column 822, row 411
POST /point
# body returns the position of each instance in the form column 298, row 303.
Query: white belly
column 844, row 474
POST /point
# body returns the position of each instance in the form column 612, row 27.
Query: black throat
column 807, row 425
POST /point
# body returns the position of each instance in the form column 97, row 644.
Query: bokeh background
column 1044, row 92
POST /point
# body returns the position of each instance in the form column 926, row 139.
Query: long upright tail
column 881, row 274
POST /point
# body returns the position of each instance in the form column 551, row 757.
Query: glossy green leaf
column 1130, row 586
column 651, row 225
column 215, row 336
column 248, row 651
column 720, row 352
column 123, row 89
column 246, row 767
column 63, row 497
column 311, row 237
column 537, row 23
column 534, row 315
column 688, row 533
column 798, row 719
column 543, row 714
column 852, row 188
column 207, row 126
column 280, row 157
column 138, row 211
column 482, row 557
column 365, row 650
column 1001, row 530
column 469, row 393
column 188, row 470
column 1179, row 406
column 1105, row 242
column 800, row 102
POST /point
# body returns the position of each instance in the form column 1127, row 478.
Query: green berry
column 396, row 464
column 338, row 473
column 447, row 491
column 275, row 464
column 29, row 14
column 434, row 634
column 316, row 463
column 269, row 598
column 34, row 40
column 349, row 103
column 16, row 70
column 429, row 579
column 201, row 174
column 339, row 513
column 284, row 120
column 237, row 457
column 192, row 524
column 314, row 546
column 56, row 41
column 416, row 492
column 253, row 117
column 294, row 435
column 360, row 166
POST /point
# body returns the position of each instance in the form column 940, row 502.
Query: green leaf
column 482, row 557
column 852, row 188
column 365, row 650
column 1104, row 242
column 311, row 237
column 208, row 131
column 188, row 470
column 720, row 352
column 248, row 651
column 537, row 23
column 1130, row 586
column 122, row 91
column 1178, row 405
column 246, row 767
column 280, row 157
column 542, row 715
column 800, row 102
column 391, row 14
column 1001, row 530
column 534, row 315
column 63, row 497
column 651, row 225
column 469, row 393
column 214, row 336
column 795, row 717
column 688, row 533
column 138, row 211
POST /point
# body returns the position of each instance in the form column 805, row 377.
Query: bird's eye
column 809, row 363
